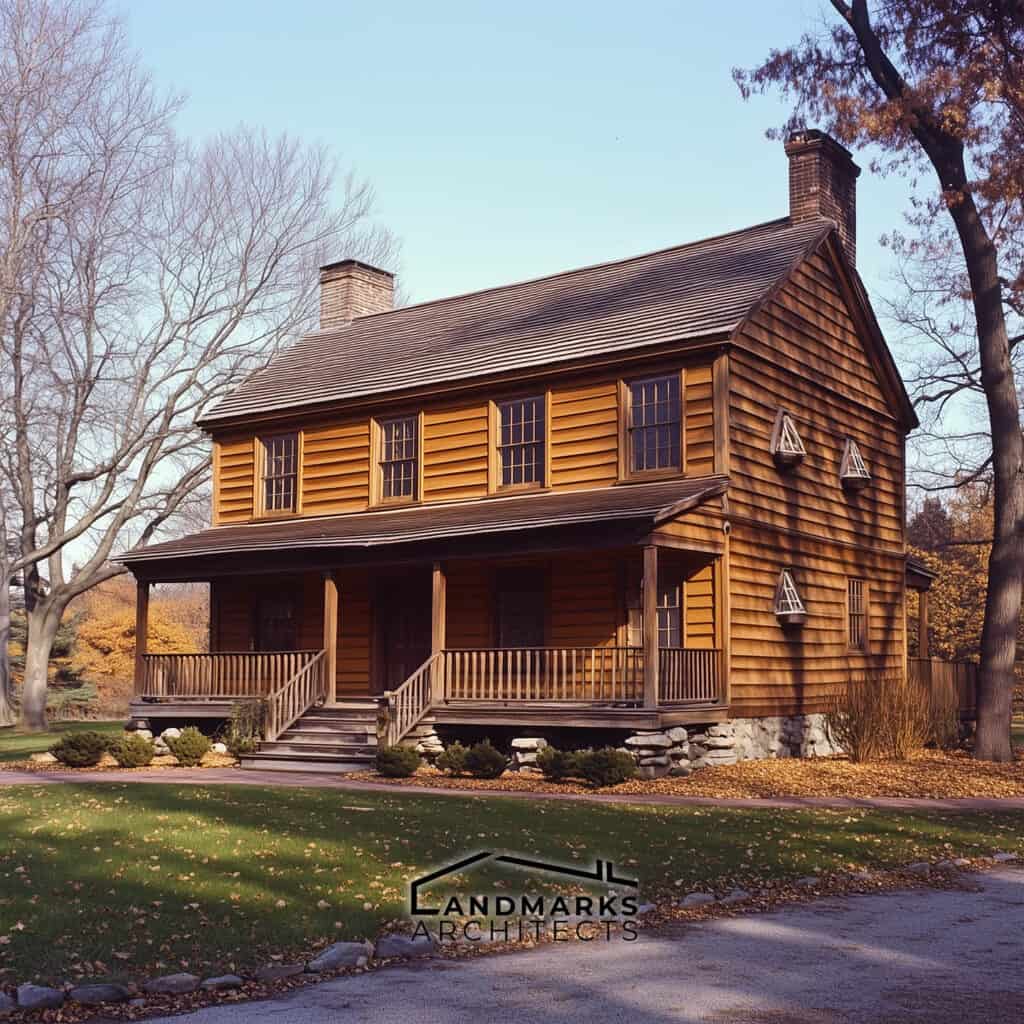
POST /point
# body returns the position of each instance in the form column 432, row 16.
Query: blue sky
column 509, row 141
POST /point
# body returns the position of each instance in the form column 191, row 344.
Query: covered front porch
column 604, row 626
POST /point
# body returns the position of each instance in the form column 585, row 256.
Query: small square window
column 399, row 458
column 670, row 615
column 280, row 472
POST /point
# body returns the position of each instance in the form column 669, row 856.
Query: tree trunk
column 43, row 623
column 6, row 685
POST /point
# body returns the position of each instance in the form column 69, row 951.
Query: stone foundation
column 524, row 753
column 424, row 739
column 679, row 751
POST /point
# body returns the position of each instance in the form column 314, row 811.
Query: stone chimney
column 823, row 183
column 349, row 289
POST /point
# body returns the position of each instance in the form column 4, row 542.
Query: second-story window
column 654, row 424
column 521, row 442
column 399, row 458
column 280, row 473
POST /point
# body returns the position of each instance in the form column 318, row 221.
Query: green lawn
column 125, row 880
column 16, row 745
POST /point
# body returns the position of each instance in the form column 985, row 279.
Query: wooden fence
column 960, row 677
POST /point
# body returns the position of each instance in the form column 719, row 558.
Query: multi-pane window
column 521, row 441
column 654, row 424
column 280, row 472
column 856, row 612
column 670, row 617
column 399, row 454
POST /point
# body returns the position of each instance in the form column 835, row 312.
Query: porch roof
column 636, row 505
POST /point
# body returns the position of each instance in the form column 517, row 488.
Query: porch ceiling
column 631, row 511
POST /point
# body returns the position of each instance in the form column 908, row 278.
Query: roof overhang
column 558, row 520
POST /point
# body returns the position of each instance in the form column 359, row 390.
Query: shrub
column 80, row 750
column 133, row 751
column 453, row 759
column 556, row 765
column 484, row 761
column 190, row 747
column 397, row 762
column 605, row 767
column 245, row 727
column 881, row 716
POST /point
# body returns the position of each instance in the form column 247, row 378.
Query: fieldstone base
column 679, row 751
column 524, row 753
column 425, row 740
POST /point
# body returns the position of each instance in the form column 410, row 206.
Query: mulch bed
column 929, row 774
column 108, row 764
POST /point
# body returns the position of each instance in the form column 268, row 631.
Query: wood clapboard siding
column 336, row 468
column 455, row 453
column 234, row 462
column 585, row 605
column 585, row 435
column 699, row 413
column 699, row 603
column 802, row 353
column 470, row 604
column 354, row 633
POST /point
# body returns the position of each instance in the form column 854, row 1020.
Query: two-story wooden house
column 666, row 490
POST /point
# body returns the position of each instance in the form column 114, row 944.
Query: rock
column 170, row 734
column 341, row 954
column 646, row 908
column 38, row 997
column 721, row 730
column 697, row 899
column 961, row 862
column 919, row 868
column 525, row 757
column 1004, row 858
column 94, row 995
column 219, row 748
column 677, row 734
column 736, row 896
column 720, row 742
column 655, row 759
column 680, row 771
column 146, row 734
column 7, row 1005
column 808, row 882
column 656, row 740
column 275, row 972
column 137, row 1002
column 862, row 876
column 171, row 985
column 404, row 945
column 652, row 771
column 529, row 743
column 222, row 983
column 43, row 758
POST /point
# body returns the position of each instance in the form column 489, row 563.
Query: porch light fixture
column 786, row 447
column 853, row 474
column 789, row 609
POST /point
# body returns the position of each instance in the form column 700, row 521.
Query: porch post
column 438, row 615
column 331, row 638
column 650, row 609
column 923, row 642
column 141, row 632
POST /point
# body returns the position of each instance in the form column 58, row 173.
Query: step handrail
column 288, row 703
column 409, row 703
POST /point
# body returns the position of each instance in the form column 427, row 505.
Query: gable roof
column 701, row 289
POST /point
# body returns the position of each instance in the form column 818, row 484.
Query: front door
column 276, row 626
column 402, row 627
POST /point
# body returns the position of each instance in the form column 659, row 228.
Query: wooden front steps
column 342, row 738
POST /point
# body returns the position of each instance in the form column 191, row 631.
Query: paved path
column 915, row 957
column 320, row 780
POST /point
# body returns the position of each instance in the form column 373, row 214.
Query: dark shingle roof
column 690, row 291
column 440, row 521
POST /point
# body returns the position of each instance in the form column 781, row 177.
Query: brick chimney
column 349, row 289
column 823, row 183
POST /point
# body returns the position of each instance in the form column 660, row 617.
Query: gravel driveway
column 942, row 957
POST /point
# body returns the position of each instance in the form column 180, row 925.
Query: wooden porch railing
column 411, row 701
column 523, row 674
column 221, row 674
column 297, row 696
column 690, row 676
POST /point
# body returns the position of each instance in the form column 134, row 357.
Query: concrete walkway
column 319, row 780
column 914, row 957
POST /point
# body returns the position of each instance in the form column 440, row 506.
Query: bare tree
column 938, row 85
column 145, row 277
